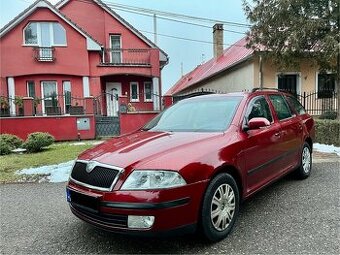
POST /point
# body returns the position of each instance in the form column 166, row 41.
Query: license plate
column 68, row 195
column 82, row 200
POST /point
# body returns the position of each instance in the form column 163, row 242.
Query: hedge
column 327, row 132
column 37, row 141
column 8, row 143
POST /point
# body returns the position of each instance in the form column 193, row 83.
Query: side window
column 259, row 108
column 295, row 104
column 280, row 106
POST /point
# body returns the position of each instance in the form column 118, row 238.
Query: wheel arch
column 310, row 142
column 234, row 172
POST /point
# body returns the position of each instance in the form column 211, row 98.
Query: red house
column 63, row 65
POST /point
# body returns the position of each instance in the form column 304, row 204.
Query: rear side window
column 295, row 104
column 259, row 108
column 280, row 106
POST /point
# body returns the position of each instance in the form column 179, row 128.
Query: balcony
column 44, row 54
column 125, row 57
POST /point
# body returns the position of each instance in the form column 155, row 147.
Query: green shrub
column 37, row 141
column 9, row 142
column 328, row 132
column 329, row 115
column 4, row 148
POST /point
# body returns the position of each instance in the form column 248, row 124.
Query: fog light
column 140, row 221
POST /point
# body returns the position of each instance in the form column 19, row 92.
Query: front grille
column 100, row 176
column 109, row 220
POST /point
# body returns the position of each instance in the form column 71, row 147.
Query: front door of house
column 113, row 91
column 288, row 82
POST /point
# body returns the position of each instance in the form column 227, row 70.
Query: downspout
column 260, row 72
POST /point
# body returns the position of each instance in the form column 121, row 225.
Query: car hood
column 140, row 148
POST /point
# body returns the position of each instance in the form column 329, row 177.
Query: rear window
column 295, row 104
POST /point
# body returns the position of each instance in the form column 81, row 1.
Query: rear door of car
column 291, row 133
column 262, row 147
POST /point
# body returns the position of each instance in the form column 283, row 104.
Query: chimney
column 218, row 39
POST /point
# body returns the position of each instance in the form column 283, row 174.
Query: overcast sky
column 189, row 53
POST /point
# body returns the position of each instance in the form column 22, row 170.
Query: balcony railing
column 125, row 57
column 44, row 54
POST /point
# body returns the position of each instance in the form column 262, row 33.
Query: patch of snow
column 78, row 143
column 57, row 173
column 326, row 148
column 19, row 150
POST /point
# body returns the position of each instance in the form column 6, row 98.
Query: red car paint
column 198, row 157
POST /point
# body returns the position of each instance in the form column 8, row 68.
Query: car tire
column 305, row 167
column 220, row 207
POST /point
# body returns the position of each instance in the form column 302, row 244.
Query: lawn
column 54, row 154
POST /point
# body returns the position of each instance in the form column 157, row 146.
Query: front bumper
column 175, row 210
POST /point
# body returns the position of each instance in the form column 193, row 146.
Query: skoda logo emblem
column 90, row 166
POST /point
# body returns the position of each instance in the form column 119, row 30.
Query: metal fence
column 52, row 105
column 315, row 102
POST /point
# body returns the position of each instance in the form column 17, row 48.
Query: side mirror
column 256, row 123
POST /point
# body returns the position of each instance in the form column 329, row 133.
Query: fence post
column 304, row 99
column 89, row 105
column 28, row 106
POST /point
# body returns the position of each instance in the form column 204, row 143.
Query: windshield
column 205, row 115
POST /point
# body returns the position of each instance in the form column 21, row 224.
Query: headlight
column 153, row 179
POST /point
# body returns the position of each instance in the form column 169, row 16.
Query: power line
column 176, row 15
column 175, row 20
column 188, row 39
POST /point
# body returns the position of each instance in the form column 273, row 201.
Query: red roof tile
column 233, row 55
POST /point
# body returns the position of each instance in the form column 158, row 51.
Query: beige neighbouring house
column 238, row 68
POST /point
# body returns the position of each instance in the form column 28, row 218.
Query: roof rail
column 275, row 89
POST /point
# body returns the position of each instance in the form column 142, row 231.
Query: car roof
column 254, row 92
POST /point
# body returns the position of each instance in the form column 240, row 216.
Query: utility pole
column 155, row 29
column 338, row 65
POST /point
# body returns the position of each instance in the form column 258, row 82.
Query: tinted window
column 280, row 106
column 295, row 104
column 259, row 108
column 206, row 115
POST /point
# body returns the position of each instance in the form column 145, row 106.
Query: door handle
column 277, row 134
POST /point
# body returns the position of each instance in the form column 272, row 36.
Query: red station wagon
column 190, row 166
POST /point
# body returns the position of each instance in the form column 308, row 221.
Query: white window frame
column 131, row 84
column 317, row 82
column 151, row 87
column 298, row 87
column 27, row 87
column 39, row 35
column 63, row 83
column 120, row 43
column 43, row 96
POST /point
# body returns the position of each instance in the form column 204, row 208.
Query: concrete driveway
column 288, row 217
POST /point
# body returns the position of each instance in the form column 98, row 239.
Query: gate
column 105, row 125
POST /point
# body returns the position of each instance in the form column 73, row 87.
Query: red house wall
column 100, row 26
column 17, row 59
column 130, row 122
column 125, row 81
column 63, row 128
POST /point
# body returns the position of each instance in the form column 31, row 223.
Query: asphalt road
column 298, row 217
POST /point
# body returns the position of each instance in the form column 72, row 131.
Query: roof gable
column 163, row 55
column 92, row 44
column 233, row 55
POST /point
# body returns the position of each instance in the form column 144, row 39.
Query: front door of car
column 262, row 146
